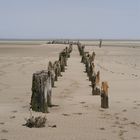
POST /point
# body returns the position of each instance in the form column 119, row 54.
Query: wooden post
column 104, row 95
column 83, row 58
column 96, row 87
column 80, row 48
column 59, row 68
column 52, row 77
column 55, row 66
column 104, row 100
column 48, row 91
column 91, row 70
column 95, row 90
column 93, row 56
column 41, row 91
column 69, row 50
column 51, row 69
column 62, row 63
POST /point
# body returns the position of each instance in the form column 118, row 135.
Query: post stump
column 95, row 91
column 40, row 88
column 104, row 100
column 104, row 95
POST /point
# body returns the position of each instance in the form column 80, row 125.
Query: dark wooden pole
column 104, row 100
column 41, row 91
column 104, row 95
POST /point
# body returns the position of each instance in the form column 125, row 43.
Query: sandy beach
column 78, row 114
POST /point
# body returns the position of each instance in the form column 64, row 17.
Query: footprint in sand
column 78, row 113
column 135, row 107
column 124, row 110
column 134, row 101
column 124, row 119
column 135, row 138
column 107, row 114
column 66, row 114
column 121, row 133
column 135, row 75
column 117, row 122
column 4, row 131
column 117, row 118
column 16, row 98
column 118, row 102
column 102, row 128
column 135, row 124
column 25, row 106
column 12, row 117
column 114, row 131
column 102, row 117
column 82, row 102
column 116, row 114
column 14, row 111
column 101, row 110
column 111, row 71
column 113, row 126
column 2, row 123
column 120, row 127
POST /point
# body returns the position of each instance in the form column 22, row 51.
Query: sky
column 93, row 19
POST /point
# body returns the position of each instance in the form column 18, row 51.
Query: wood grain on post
column 96, row 88
column 62, row 63
column 41, row 91
column 104, row 95
column 51, row 69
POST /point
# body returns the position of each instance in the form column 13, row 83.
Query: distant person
column 100, row 44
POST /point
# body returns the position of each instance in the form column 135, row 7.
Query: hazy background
column 108, row 19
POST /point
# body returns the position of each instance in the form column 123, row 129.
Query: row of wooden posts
column 88, row 60
column 43, row 82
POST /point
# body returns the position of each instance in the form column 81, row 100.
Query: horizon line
column 72, row 39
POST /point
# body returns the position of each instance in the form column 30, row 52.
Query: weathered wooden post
column 62, row 63
column 65, row 55
column 104, row 95
column 82, row 50
column 48, row 90
column 55, row 66
column 96, row 87
column 92, row 56
column 59, row 68
column 51, row 69
column 39, row 92
column 69, row 49
column 79, row 46
column 87, row 66
column 83, row 58
column 91, row 71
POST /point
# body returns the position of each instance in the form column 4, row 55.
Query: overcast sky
column 116, row 19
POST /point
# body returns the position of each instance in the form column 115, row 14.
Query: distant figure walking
column 100, row 43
